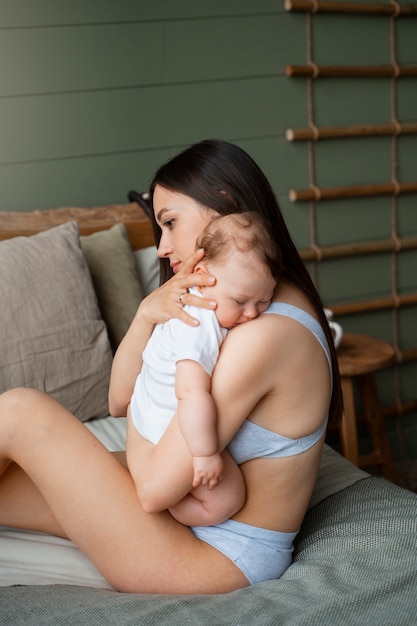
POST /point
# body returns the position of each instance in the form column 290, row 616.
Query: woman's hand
column 167, row 301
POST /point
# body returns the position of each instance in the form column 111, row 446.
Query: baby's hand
column 208, row 470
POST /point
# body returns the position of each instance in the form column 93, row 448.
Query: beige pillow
column 52, row 336
column 113, row 269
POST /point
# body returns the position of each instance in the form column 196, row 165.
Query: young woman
column 179, row 359
column 275, row 385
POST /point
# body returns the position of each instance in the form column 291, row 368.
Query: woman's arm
column 127, row 364
column 157, row 308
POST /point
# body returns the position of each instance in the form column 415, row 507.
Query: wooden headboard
column 90, row 220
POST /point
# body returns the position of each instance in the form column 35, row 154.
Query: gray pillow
column 52, row 336
column 115, row 278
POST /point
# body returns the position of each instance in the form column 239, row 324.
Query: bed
column 355, row 559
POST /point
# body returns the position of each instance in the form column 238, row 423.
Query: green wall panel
column 344, row 101
column 77, row 124
column 406, row 34
column 409, row 422
column 281, row 165
column 80, row 58
column 355, row 278
column 374, row 323
column 407, row 157
column 408, row 326
column 122, row 55
column 407, row 215
column 30, row 13
column 88, row 181
column 407, row 98
column 290, row 165
column 353, row 161
column 408, row 390
column 297, row 220
column 192, row 56
column 407, row 271
column 346, row 40
column 345, row 221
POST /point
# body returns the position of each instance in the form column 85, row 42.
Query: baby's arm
column 197, row 420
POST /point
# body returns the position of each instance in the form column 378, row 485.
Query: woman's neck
column 289, row 293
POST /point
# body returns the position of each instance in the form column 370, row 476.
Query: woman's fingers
column 168, row 301
column 193, row 300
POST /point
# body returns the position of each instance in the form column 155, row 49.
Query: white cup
column 337, row 330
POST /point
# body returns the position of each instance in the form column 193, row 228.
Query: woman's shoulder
column 257, row 338
column 285, row 325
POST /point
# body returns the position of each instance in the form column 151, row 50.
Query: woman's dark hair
column 223, row 177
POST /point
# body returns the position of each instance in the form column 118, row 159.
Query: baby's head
column 243, row 257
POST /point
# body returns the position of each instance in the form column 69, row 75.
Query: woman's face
column 181, row 220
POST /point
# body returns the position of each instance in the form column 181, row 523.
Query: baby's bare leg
column 204, row 507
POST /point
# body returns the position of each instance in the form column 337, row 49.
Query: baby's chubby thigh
column 228, row 497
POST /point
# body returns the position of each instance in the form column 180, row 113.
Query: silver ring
column 180, row 297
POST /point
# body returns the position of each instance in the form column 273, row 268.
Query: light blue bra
column 253, row 441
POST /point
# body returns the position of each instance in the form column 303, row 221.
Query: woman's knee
column 18, row 398
column 23, row 405
column 25, row 415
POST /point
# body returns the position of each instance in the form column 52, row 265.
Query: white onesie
column 153, row 402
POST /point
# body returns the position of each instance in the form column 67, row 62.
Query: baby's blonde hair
column 244, row 232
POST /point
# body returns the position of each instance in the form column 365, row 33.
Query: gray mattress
column 355, row 562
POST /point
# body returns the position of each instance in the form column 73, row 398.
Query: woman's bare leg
column 22, row 504
column 82, row 492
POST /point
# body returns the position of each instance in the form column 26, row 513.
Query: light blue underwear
column 260, row 554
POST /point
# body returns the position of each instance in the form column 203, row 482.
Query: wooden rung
column 365, row 8
column 400, row 408
column 389, row 411
column 318, row 253
column 350, row 71
column 379, row 304
column 329, row 193
column 409, row 355
column 358, row 130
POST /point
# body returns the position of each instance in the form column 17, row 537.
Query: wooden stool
column 359, row 357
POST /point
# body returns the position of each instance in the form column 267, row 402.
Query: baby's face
column 244, row 288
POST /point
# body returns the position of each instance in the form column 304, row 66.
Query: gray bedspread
column 355, row 563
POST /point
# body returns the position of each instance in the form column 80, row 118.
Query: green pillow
column 113, row 270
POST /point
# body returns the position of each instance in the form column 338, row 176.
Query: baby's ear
column 201, row 268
